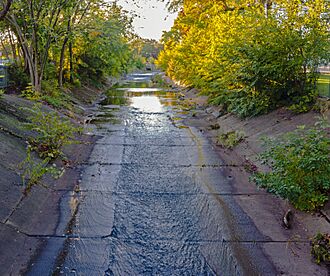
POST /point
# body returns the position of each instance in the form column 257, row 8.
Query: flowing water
column 154, row 198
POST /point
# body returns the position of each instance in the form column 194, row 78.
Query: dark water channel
column 154, row 198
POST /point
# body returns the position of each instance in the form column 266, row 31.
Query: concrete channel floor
column 153, row 200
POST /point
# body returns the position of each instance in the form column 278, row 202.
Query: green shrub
column 34, row 170
column 300, row 166
column 53, row 95
column 53, row 132
column 230, row 139
column 249, row 105
column 77, row 83
column 263, row 61
column 30, row 93
column 50, row 87
column 304, row 103
column 18, row 79
column 321, row 248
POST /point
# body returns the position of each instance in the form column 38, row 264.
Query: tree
column 249, row 57
column 5, row 9
column 56, row 38
column 35, row 26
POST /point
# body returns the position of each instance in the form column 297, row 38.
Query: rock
column 216, row 114
column 287, row 219
column 209, row 110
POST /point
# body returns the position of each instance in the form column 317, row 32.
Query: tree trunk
column 71, row 61
column 66, row 39
column 60, row 73
column 13, row 46
column 27, row 51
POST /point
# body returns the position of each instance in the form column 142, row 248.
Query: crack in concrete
column 163, row 193
column 188, row 241
column 139, row 144
column 14, row 209
column 162, row 165
column 5, row 130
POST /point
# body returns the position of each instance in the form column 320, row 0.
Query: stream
column 154, row 198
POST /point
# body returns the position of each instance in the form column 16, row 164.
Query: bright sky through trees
column 152, row 17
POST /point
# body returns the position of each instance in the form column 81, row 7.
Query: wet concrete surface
column 154, row 199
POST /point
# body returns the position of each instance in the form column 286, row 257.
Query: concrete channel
column 153, row 199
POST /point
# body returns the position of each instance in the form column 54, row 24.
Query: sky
column 153, row 17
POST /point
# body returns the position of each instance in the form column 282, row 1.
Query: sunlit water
column 140, row 90
column 147, row 103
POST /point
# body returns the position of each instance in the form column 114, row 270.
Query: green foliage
column 52, row 131
column 230, row 139
column 104, row 50
column 321, row 248
column 248, row 104
column 65, row 40
column 18, row 79
column 53, row 95
column 145, row 50
column 249, row 57
column 34, row 170
column 30, row 93
column 1, row 92
column 304, row 103
column 57, row 101
column 300, row 167
column 77, row 83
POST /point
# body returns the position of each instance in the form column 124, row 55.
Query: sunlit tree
column 250, row 56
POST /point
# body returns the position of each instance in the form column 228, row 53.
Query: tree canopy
column 66, row 41
column 249, row 56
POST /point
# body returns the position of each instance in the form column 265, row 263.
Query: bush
column 321, row 248
column 34, row 170
column 249, row 105
column 18, row 79
column 53, row 132
column 267, row 59
column 30, row 93
column 304, row 103
column 300, row 167
column 230, row 139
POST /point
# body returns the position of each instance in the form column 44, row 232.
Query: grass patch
column 323, row 85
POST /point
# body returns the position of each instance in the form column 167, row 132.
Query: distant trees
column 249, row 56
column 145, row 50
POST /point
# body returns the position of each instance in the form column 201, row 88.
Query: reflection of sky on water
column 141, row 90
column 147, row 104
